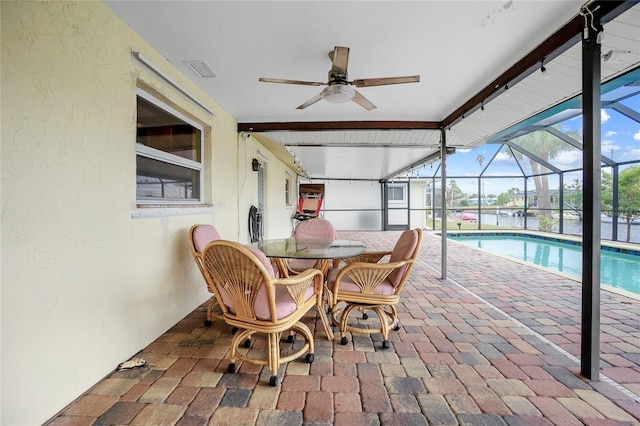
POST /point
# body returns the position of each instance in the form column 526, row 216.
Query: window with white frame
column 396, row 194
column 287, row 190
column 169, row 146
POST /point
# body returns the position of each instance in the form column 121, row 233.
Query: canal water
column 571, row 227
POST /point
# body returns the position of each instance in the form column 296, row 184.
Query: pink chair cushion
column 404, row 249
column 285, row 304
column 385, row 288
column 315, row 229
column 300, row 265
column 263, row 259
column 203, row 235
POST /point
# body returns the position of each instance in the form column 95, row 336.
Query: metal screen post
column 561, row 203
column 591, row 104
column 615, row 212
column 480, row 200
column 443, row 202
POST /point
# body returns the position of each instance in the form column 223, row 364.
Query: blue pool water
column 617, row 269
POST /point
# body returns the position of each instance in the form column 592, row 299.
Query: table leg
column 323, row 265
column 325, row 322
column 282, row 267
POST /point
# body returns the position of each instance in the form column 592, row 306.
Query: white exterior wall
column 84, row 284
column 353, row 205
column 278, row 215
column 418, row 203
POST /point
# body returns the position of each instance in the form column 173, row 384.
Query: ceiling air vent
column 202, row 68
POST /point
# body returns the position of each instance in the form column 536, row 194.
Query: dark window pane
column 160, row 180
column 160, row 130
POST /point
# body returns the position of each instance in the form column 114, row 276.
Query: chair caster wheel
column 290, row 338
column 273, row 381
column 207, row 323
column 309, row 359
column 385, row 344
column 344, row 341
column 396, row 328
column 231, row 368
column 234, row 330
column 365, row 316
column 247, row 343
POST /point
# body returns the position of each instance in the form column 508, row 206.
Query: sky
column 620, row 140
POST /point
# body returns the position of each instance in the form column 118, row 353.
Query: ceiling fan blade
column 311, row 101
column 339, row 59
column 278, row 80
column 363, row 102
column 368, row 82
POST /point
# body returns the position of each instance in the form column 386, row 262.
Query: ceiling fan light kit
column 339, row 89
column 338, row 93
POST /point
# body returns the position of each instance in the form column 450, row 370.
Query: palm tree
column 513, row 191
column 546, row 146
column 480, row 160
column 452, row 192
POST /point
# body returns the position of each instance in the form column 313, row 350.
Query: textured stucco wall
column 278, row 222
column 84, row 285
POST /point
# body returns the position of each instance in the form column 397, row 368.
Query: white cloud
column 610, row 133
column 568, row 159
column 502, row 173
column 632, row 154
column 503, row 156
column 636, row 136
column 608, row 145
column 604, row 116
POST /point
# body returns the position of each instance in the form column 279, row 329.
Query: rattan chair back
column 255, row 301
column 199, row 236
column 364, row 284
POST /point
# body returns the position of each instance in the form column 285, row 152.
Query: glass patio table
column 322, row 250
column 290, row 248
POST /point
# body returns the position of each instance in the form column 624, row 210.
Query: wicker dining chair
column 255, row 301
column 364, row 284
column 199, row 236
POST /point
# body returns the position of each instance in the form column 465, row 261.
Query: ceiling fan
column 339, row 88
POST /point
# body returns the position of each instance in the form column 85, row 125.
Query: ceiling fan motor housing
column 338, row 93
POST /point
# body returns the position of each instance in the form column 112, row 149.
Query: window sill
column 141, row 211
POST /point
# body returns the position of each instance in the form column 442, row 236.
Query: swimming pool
column 619, row 268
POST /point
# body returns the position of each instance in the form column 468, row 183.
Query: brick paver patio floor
column 497, row 343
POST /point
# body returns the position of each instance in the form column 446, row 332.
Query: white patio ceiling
column 459, row 48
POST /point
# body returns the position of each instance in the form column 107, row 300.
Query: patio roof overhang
column 345, row 150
